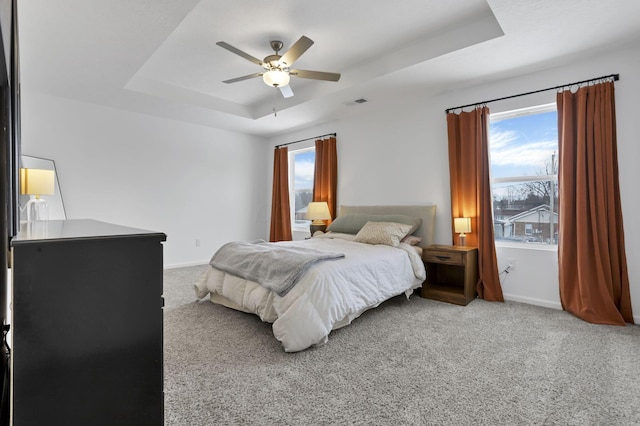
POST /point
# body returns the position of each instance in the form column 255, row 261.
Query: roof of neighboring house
column 537, row 214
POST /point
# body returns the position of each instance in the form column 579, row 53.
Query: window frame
column 299, row 227
column 505, row 115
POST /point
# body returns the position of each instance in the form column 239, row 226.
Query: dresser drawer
column 448, row 257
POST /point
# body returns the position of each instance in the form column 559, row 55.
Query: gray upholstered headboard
column 427, row 213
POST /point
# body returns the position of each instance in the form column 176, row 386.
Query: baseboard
column 533, row 301
column 184, row 265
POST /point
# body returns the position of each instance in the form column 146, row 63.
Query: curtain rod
column 304, row 140
column 615, row 77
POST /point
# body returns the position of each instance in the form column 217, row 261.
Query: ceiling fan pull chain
column 275, row 100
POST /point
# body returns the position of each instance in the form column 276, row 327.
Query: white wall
column 394, row 151
column 190, row 182
column 390, row 158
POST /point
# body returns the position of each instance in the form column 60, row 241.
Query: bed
column 364, row 266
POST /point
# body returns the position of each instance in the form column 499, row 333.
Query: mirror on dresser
column 54, row 202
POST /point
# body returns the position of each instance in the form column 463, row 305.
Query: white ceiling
column 159, row 57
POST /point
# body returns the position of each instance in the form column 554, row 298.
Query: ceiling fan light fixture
column 276, row 78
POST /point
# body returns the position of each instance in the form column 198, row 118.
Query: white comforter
column 328, row 296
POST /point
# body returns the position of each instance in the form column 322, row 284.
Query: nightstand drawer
column 447, row 257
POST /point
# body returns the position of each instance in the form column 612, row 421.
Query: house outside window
column 301, row 174
column 524, row 175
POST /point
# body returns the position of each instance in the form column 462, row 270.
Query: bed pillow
column 412, row 240
column 387, row 233
column 353, row 223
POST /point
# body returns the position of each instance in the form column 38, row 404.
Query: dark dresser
column 86, row 325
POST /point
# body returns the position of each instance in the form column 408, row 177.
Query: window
column 301, row 172
column 523, row 147
column 528, row 229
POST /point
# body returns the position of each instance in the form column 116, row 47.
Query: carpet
column 407, row 362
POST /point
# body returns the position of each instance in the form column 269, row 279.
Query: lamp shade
column 318, row 211
column 36, row 182
column 276, row 78
column 462, row 225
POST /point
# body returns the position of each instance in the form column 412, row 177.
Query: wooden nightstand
column 452, row 273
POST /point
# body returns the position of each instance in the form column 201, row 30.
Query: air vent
column 354, row 102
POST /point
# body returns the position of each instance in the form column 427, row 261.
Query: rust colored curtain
column 280, row 211
column 471, row 192
column 325, row 181
column 594, row 284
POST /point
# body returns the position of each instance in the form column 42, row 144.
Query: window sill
column 526, row 246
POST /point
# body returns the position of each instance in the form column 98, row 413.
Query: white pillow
column 387, row 233
column 352, row 223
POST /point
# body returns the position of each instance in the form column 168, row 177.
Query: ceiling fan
column 277, row 68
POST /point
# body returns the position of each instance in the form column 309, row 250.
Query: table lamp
column 318, row 212
column 36, row 182
column 461, row 226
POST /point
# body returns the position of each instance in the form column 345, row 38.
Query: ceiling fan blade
column 239, row 52
column 244, row 77
column 286, row 91
column 316, row 75
column 295, row 51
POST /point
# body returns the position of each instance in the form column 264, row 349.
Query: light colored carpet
column 416, row 362
column 178, row 285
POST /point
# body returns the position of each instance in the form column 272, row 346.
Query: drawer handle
column 443, row 257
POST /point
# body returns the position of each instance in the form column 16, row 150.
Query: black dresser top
column 74, row 229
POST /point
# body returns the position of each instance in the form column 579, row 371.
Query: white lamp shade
column 36, row 182
column 276, row 78
column 462, row 225
column 318, row 211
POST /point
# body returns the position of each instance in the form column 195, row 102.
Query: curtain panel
column 594, row 283
column 280, row 229
column 471, row 192
column 325, row 182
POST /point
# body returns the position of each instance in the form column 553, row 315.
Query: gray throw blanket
column 270, row 265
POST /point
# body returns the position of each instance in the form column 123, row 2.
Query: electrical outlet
column 197, row 242
column 511, row 263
